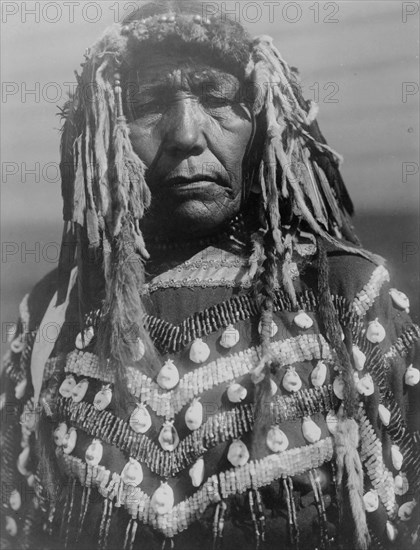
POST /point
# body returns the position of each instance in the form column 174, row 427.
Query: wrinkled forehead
column 175, row 70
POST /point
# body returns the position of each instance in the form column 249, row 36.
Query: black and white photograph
column 210, row 275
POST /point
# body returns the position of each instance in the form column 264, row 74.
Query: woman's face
column 191, row 129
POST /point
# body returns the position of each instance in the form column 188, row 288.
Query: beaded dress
column 184, row 466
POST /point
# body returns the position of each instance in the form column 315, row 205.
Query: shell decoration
column 384, row 414
column 59, row 433
column 168, row 376
column 236, row 393
column 132, row 473
column 274, row 329
column 371, row 501
column 311, row 432
column 103, row 398
column 291, row 380
column 194, row 415
column 405, row 511
column 412, row 376
column 94, row 452
column 230, row 337
column 277, row 440
column 396, row 457
column 400, row 299
column 79, row 390
column 67, row 386
column 375, row 332
column 69, row 441
column 365, row 385
column 401, row 485
column 83, row 339
column 359, row 358
column 338, row 387
column 303, row 321
column 168, row 437
column 196, row 473
column 162, row 500
column 140, row 419
column 319, row 374
column 199, row 351
column 238, row 454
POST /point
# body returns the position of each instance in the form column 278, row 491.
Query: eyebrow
column 208, row 77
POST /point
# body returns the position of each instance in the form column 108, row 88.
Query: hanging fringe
column 320, row 506
column 218, row 524
column 291, row 511
column 130, row 534
column 107, row 509
column 84, row 505
column 349, row 466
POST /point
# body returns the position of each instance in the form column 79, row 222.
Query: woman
column 231, row 367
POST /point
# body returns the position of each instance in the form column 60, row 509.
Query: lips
column 176, row 182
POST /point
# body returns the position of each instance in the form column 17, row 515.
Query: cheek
column 144, row 142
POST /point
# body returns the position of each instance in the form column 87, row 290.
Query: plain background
column 357, row 68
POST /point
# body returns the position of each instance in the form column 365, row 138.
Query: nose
column 183, row 128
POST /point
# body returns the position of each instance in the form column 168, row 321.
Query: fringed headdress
column 106, row 195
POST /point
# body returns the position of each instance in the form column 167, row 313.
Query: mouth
column 195, row 183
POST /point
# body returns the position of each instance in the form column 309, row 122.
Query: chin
column 194, row 218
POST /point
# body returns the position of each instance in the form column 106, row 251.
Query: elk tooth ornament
column 79, row 390
column 83, row 339
column 359, row 358
column 140, row 350
column 22, row 462
column 140, row 420
column 319, row 374
column 391, row 531
column 197, row 473
column 168, row 437
column 274, row 329
column 132, row 473
column 230, row 337
column 20, row 388
column 400, row 299
column 67, row 386
column 199, row 351
column 276, row 440
column 412, row 376
column 401, row 484
column 94, row 452
column 291, row 380
column 384, row 414
column 103, row 398
column 11, row 526
column 59, row 433
column 338, row 387
column 168, row 376
column 303, row 321
column 15, row 500
column 365, row 385
column 238, row 454
column 17, row 345
column 405, row 511
column 273, row 388
column 311, row 432
column 236, row 393
column 69, row 441
column 396, row 457
column 371, row 501
column 332, row 422
column 375, row 332
column 194, row 415
column 162, row 500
